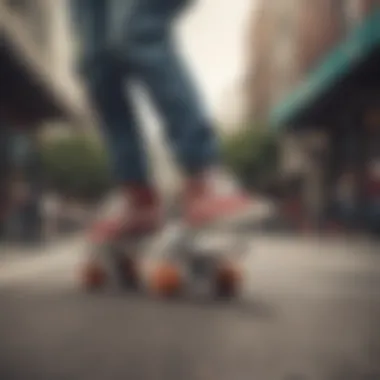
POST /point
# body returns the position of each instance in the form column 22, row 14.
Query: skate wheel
column 130, row 272
column 166, row 280
column 94, row 276
column 228, row 280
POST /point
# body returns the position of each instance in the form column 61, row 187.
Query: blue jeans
column 132, row 39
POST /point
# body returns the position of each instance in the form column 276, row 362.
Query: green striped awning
column 345, row 58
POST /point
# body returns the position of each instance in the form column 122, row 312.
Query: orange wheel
column 166, row 280
column 228, row 280
column 93, row 276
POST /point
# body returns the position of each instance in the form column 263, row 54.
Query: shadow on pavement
column 253, row 308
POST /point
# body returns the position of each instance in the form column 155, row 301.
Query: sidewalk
column 336, row 249
column 13, row 252
column 50, row 260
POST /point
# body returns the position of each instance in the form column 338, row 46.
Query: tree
column 76, row 166
column 252, row 154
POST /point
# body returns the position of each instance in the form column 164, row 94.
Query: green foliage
column 76, row 166
column 252, row 154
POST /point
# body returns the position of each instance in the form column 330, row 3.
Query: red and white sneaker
column 214, row 199
column 137, row 212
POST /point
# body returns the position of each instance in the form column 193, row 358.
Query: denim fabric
column 132, row 39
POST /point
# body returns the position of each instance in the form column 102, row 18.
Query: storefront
column 341, row 100
column 29, row 95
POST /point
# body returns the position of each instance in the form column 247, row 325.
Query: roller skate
column 174, row 256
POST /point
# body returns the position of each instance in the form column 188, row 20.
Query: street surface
column 309, row 311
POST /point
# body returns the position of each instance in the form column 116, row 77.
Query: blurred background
column 294, row 90
column 292, row 87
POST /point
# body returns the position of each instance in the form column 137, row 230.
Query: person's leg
column 153, row 57
column 105, row 76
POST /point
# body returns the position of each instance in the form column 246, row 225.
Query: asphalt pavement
column 309, row 310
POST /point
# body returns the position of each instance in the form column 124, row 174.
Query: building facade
column 38, row 85
column 289, row 38
column 297, row 50
column 38, row 47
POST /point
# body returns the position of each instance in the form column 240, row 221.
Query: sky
column 213, row 35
